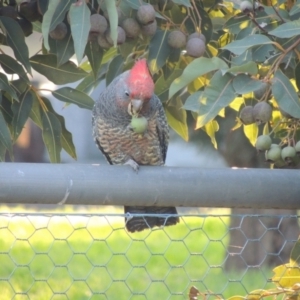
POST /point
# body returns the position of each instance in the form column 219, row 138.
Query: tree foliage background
column 251, row 55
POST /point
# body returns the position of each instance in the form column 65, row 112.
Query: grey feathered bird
column 129, row 95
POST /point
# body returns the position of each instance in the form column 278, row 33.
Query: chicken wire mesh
column 74, row 256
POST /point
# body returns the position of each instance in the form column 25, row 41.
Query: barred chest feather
column 121, row 143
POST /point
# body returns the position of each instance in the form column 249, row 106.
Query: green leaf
column 251, row 132
column 159, row 50
column 285, row 94
column 60, row 13
column 249, row 67
column 287, row 30
column 297, row 75
column 235, row 24
column 52, row 136
column 5, row 86
column 113, row 19
column 244, row 84
column 295, row 9
column 94, row 54
column 183, row 2
column 195, row 69
column 211, row 128
column 66, row 136
column 63, row 49
column 16, row 40
column 6, row 110
column 80, row 27
column 177, row 118
column 21, row 111
column 295, row 255
column 217, row 95
column 11, row 66
column 47, row 20
column 47, row 66
column 2, row 151
column 192, row 103
column 71, row 95
column 240, row 46
column 114, row 69
column 5, row 138
column 35, row 113
column 162, row 84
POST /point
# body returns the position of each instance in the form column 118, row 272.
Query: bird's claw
column 132, row 164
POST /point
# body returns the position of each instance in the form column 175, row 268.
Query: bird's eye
column 126, row 94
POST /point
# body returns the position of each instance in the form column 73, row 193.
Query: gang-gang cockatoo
column 129, row 98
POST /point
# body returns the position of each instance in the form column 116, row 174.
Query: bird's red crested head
column 140, row 82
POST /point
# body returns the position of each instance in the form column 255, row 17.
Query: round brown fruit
column 120, row 39
column 145, row 14
column 131, row 28
column 102, row 41
column 149, row 29
column 195, row 47
column 59, row 32
column 176, row 39
column 197, row 35
column 29, row 10
column 246, row 115
column 139, row 124
column 98, row 23
column 262, row 112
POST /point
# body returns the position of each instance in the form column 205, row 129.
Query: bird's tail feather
column 139, row 223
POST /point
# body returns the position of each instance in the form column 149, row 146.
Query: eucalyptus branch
column 278, row 15
column 197, row 12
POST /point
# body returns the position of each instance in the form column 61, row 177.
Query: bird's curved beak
column 136, row 106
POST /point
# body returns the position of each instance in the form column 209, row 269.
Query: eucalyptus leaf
column 240, row 46
column 51, row 134
column 11, row 66
column 70, row 95
column 63, row 49
column 297, row 75
column 5, row 86
column 159, row 50
column 5, row 137
column 217, row 95
column 47, row 20
column 285, row 94
column 113, row 19
column 244, row 84
column 94, row 54
column 80, row 27
column 177, row 118
column 114, row 69
column 47, row 66
column 249, row 67
column 66, row 136
column 21, row 111
column 198, row 67
column 287, row 30
column 16, row 40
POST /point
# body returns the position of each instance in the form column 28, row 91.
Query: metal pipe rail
column 152, row 186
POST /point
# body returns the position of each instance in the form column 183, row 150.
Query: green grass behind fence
column 94, row 258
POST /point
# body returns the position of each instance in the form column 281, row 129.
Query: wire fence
column 92, row 256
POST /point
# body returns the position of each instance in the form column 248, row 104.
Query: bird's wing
column 162, row 130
